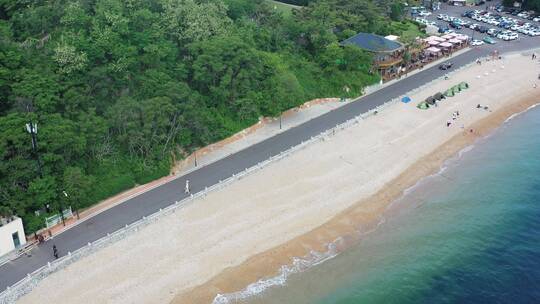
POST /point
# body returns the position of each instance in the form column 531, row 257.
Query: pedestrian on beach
column 448, row 123
column 533, row 57
column 55, row 252
column 186, row 190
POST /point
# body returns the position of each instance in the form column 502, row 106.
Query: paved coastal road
column 150, row 202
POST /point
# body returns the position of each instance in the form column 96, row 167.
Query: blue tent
column 406, row 99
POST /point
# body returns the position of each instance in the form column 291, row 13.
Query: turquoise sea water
column 470, row 234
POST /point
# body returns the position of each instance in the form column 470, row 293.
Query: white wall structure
column 11, row 234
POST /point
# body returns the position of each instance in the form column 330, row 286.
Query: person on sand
column 186, row 189
column 478, row 106
column 448, row 123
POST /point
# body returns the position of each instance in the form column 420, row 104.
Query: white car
column 536, row 19
column 513, row 36
column 491, row 31
column 424, row 13
column 477, row 42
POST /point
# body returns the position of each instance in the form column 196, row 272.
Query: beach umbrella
column 449, row 93
column 406, row 99
column 463, row 85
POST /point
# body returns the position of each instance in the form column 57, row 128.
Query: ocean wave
column 519, row 113
column 299, row 265
column 444, row 166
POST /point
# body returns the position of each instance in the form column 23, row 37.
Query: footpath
column 264, row 129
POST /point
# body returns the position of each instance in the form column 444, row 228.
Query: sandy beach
column 331, row 189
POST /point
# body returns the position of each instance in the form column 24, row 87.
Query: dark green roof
column 372, row 43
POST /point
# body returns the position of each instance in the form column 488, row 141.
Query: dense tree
column 120, row 88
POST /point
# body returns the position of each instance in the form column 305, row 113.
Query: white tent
column 445, row 44
column 433, row 50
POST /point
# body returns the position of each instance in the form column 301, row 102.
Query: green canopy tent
column 456, row 89
column 423, row 105
column 449, row 93
column 463, row 85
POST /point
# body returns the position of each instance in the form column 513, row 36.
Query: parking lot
column 488, row 26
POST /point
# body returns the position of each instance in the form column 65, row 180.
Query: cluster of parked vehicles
column 505, row 22
column 519, row 13
column 508, row 27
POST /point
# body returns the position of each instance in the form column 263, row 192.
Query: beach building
column 11, row 234
column 388, row 53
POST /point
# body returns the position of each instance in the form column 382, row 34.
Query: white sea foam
column 519, row 113
column 299, row 265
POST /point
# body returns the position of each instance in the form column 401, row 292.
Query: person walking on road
column 186, row 190
column 55, row 251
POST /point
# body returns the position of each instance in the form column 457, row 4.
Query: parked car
column 482, row 29
column 493, row 32
column 445, row 66
column 489, row 40
column 455, row 25
column 477, row 42
column 512, row 36
column 443, row 29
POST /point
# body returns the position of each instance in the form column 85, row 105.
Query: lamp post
column 32, row 129
column 62, row 210
column 280, row 114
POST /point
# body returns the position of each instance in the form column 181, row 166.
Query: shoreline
column 349, row 224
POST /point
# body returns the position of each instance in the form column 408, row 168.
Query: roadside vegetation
column 120, row 89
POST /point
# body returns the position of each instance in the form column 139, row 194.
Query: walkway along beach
column 329, row 190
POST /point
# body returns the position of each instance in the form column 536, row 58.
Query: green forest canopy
column 121, row 88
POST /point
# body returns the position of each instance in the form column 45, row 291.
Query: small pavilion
column 388, row 53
